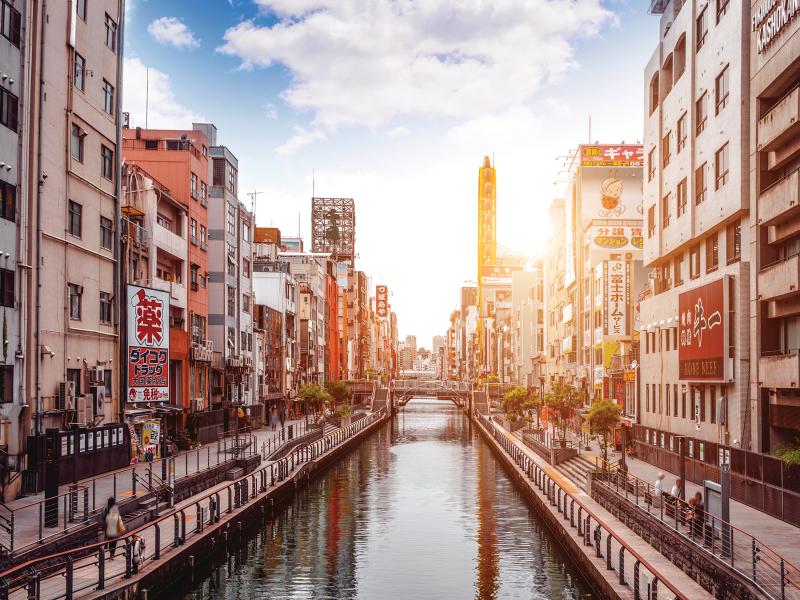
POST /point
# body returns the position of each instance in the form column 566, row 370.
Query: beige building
column 72, row 297
column 774, row 146
column 695, row 367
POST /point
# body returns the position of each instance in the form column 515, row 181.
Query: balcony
column 202, row 352
column 779, row 370
column 177, row 291
column 169, row 241
column 780, row 279
column 777, row 201
column 778, row 130
column 165, row 145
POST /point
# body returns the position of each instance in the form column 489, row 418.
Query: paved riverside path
column 119, row 484
column 688, row 586
column 779, row 535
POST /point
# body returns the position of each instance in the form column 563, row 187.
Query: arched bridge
column 402, row 390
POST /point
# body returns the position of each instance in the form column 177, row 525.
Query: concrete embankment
column 228, row 529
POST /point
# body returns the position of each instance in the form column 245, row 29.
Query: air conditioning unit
column 83, row 415
column 98, row 400
column 97, row 375
column 65, row 396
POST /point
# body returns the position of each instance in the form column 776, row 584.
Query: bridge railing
column 433, row 386
column 631, row 568
column 84, row 570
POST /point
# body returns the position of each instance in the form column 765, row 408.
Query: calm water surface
column 420, row 510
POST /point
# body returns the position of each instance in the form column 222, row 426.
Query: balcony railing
column 165, row 145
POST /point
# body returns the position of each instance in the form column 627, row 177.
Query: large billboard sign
column 610, row 189
column 148, row 344
column 382, row 301
column 703, row 333
column 612, row 156
column 616, row 298
column 498, row 275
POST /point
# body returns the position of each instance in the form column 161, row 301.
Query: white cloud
column 401, row 131
column 271, row 111
column 165, row 112
column 366, row 62
column 171, row 31
column 302, row 137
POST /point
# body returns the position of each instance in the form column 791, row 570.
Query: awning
column 168, row 409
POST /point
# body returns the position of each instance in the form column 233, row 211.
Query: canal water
column 421, row 510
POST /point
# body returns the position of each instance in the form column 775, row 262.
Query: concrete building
column 557, row 350
column 695, row 358
column 176, row 163
column 357, row 324
column 527, row 332
column 774, row 130
column 15, row 281
column 230, row 287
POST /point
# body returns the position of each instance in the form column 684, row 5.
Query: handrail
column 556, row 494
column 734, row 542
column 53, row 576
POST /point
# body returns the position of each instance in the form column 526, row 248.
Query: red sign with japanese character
column 703, row 333
column 382, row 301
column 148, row 344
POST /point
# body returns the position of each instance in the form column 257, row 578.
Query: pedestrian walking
column 114, row 525
column 676, row 489
column 659, row 485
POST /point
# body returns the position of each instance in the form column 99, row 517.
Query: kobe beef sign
column 703, row 333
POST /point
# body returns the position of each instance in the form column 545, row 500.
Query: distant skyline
column 396, row 107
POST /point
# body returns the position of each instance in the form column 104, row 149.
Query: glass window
column 651, row 164
column 700, row 114
column 702, row 28
column 193, row 185
column 231, row 301
column 105, row 307
column 107, row 163
column 651, row 221
column 111, row 33
column 712, row 252
column 203, row 190
column 10, row 23
column 193, row 231
column 6, row 383
column 677, row 269
column 203, row 237
column 722, row 89
column 105, row 233
column 682, row 193
column 7, row 287
column 682, row 132
column 721, row 167
column 700, row 184
column 8, row 201
column 80, row 72
column 722, row 8
column 733, row 237
column 665, row 150
column 665, row 201
column 77, row 143
column 75, row 293
column 694, row 261
column 75, row 223
column 81, row 9
column 231, row 220
column 9, row 109
column 108, row 97
column 245, row 267
column 246, row 231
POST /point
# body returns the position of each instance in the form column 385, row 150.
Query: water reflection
column 420, row 510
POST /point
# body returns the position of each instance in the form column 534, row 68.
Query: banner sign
column 605, row 240
column 612, row 156
column 148, row 344
column 382, row 301
column 616, row 298
column 499, row 275
column 703, row 333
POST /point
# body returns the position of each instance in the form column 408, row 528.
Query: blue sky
column 395, row 104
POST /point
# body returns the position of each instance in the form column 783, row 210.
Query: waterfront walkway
column 673, row 574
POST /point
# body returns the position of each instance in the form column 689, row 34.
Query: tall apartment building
column 527, row 331
column 357, row 323
column 774, row 235
column 695, row 359
column 15, row 280
column 230, row 312
column 555, row 296
column 67, row 161
column 176, row 163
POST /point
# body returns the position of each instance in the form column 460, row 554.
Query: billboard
column 382, row 301
column 612, row 155
column 498, row 275
column 604, row 241
column 616, row 298
column 148, row 344
column 608, row 192
column 703, row 333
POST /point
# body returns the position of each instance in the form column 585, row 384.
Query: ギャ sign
column 703, row 333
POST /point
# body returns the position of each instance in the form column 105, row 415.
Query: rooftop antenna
column 253, row 197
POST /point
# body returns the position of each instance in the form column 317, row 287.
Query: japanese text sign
column 148, row 344
column 612, row 156
column 702, row 333
column 382, row 301
column 616, row 298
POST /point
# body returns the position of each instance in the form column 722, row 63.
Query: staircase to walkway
column 328, row 428
column 481, row 402
column 576, row 469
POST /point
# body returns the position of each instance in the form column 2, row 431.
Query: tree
column 533, row 402
column 339, row 391
column 604, row 416
column 314, row 395
column 513, row 402
column 790, row 454
column 562, row 399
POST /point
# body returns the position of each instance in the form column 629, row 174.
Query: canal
column 421, row 509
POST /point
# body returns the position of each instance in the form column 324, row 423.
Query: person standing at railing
column 698, row 514
column 114, row 526
column 659, row 489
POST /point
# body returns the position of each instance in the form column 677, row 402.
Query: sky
column 395, row 103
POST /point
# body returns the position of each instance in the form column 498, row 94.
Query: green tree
column 513, row 402
column 339, row 391
column 563, row 399
column 604, row 416
column 533, row 402
column 790, row 454
column 315, row 396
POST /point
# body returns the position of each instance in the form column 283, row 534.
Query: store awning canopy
column 168, row 409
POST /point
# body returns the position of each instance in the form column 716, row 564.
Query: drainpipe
column 40, row 185
column 119, row 288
